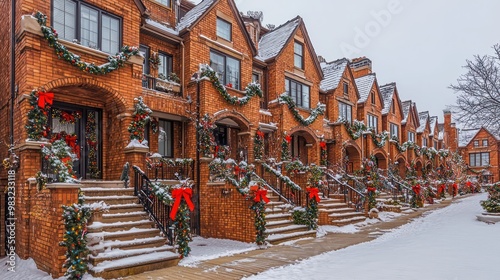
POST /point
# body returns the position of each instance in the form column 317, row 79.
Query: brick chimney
column 253, row 24
column 450, row 132
column 361, row 66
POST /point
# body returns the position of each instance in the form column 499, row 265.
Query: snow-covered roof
column 194, row 14
column 364, row 85
column 423, row 118
column 433, row 122
column 387, row 92
column 271, row 43
column 406, row 110
column 161, row 26
column 333, row 72
column 440, row 131
column 466, row 135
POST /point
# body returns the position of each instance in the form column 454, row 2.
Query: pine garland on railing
column 60, row 159
column 283, row 178
column 284, row 98
column 114, row 61
column 259, row 207
column 251, row 90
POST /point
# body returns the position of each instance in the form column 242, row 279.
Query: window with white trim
column 345, row 112
column 479, row 159
column 165, row 138
column 165, row 66
column 165, row 2
column 372, row 122
column 91, row 26
column 411, row 136
column 394, row 130
column 223, row 29
column 298, row 55
column 424, row 142
column 298, row 92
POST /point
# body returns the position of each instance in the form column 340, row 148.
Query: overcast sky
column 419, row 44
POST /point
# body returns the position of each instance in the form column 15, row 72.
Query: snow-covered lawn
column 448, row 243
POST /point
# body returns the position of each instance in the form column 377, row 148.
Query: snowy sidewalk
column 257, row 261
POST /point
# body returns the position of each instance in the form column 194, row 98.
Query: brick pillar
column 136, row 156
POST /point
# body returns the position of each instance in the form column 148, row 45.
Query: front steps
column 124, row 241
column 279, row 223
column 333, row 211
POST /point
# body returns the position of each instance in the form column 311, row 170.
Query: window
column 144, row 50
column 227, row 68
column 164, row 2
column 479, row 159
column 372, row 95
column 435, row 145
column 165, row 67
column 93, row 27
column 393, row 107
column 394, row 130
column 372, row 122
column 424, row 142
column 298, row 55
column 411, row 136
column 345, row 112
column 476, row 143
column 346, row 88
column 223, row 29
column 485, row 143
column 165, row 138
column 298, row 92
column 221, row 135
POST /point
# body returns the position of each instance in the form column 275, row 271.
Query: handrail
column 352, row 197
column 287, row 188
column 274, row 190
column 156, row 209
column 345, row 184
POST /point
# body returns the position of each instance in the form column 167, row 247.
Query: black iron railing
column 49, row 171
column 288, row 191
column 156, row 209
column 349, row 190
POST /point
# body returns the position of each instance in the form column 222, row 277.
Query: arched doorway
column 233, row 132
column 352, row 159
column 381, row 160
column 302, row 146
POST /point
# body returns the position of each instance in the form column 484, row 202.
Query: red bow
column 71, row 140
column 261, row 195
column 322, row 144
column 416, row 189
column 216, row 150
column 45, row 98
column 260, row 134
column 288, row 139
column 441, row 189
column 469, row 184
column 455, row 186
column 68, row 117
column 371, row 189
column 313, row 193
column 236, row 169
column 177, row 194
column 66, row 159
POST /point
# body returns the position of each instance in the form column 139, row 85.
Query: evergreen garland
column 114, row 61
column 283, row 178
column 37, row 127
column 251, row 90
column 492, row 204
column 75, row 218
column 323, row 157
column 285, row 147
column 357, row 128
column 60, row 159
column 125, row 177
column 258, row 145
column 205, row 129
column 260, row 222
column 142, row 115
column 92, row 145
column 284, row 98
column 183, row 230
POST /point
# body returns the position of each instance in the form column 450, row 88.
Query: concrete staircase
column 338, row 213
column 123, row 241
column 279, row 223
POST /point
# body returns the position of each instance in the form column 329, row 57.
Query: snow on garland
column 142, row 115
column 285, row 147
column 258, row 145
column 492, row 204
column 430, row 153
column 283, row 178
column 205, row 129
column 60, row 158
column 284, row 98
column 357, row 128
column 114, row 61
column 40, row 102
column 251, row 90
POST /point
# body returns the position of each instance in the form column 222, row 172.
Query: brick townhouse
column 175, row 39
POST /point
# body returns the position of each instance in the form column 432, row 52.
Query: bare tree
column 478, row 90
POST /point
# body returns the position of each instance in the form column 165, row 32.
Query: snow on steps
column 339, row 214
column 124, row 241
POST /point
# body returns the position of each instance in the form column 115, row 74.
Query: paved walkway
column 253, row 262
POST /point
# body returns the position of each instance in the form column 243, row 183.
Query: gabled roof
column 387, row 92
column 333, row 72
column 423, row 118
column 271, row 44
column 364, row 85
column 193, row 15
column 466, row 135
column 433, row 121
column 406, row 110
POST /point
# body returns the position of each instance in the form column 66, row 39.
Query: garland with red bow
column 416, row 199
column 142, row 115
column 180, row 214
column 285, row 147
column 441, row 191
column 205, row 129
column 311, row 213
column 258, row 145
column 66, row 117
column 70, row 139
column 372, row 193
column 40, row 102
column 259, row 207
column 92, row 147
column 323, row 153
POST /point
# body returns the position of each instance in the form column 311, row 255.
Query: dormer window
column 92, row 27
column 167, row 3
column 223, row 29
column 298, row 55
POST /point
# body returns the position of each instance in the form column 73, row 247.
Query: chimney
column 361, row 66
column 253, row 24
column 450, row 131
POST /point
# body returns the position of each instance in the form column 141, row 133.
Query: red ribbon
column 178, row 194
column 260, row 134
column 236, row 169
column 441, row 189
column 288, row 139
column 322, row 144
column 371, row 189
column 313, row 193
column 416, row 189
column 68, row 117
column 45, row 98
column 261, row 195
column 455, row 186
column 66, row 159
column 469, row 184
column 216, row 151
column 71, row 140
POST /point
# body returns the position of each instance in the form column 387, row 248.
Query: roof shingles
column 365, row 84
column 387, row 92
column 333, row 72
column 271, row 44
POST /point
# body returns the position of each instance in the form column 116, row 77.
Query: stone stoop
column 279, row 223
column 123, row 241
column 333, row 211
